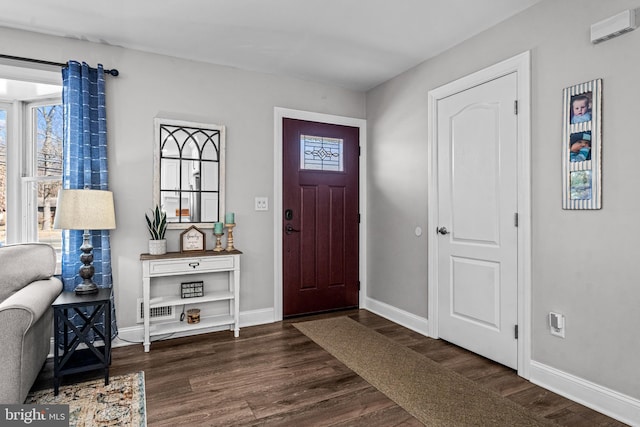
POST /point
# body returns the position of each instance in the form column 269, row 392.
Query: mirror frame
column 158, row 122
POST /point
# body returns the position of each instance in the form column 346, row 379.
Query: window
column 30, row 160
column 46, row 178
column 321, row 153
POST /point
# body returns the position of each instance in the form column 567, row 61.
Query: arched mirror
column 189, row 172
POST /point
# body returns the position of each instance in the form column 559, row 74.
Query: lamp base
column 86, row 289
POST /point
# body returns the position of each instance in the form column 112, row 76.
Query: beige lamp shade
column 85, row 210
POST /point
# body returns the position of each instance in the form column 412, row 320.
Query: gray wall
column 151, row 85
column 584, row 262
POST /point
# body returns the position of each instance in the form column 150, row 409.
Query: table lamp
column 85, row 210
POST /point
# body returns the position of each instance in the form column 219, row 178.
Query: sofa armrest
column 25, row 328
column 33, row 300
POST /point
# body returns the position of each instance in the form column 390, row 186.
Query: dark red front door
column 320, row 221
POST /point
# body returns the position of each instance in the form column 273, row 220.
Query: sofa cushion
column 23, row 263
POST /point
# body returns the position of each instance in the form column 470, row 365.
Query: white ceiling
column 356, row 44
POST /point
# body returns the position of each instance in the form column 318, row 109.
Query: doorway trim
column 520, row 64
column 361, row 124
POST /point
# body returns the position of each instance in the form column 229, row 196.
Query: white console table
column 184, row 264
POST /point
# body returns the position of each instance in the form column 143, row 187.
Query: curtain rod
column 113, row 72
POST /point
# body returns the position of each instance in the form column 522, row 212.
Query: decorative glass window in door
column 321, row 153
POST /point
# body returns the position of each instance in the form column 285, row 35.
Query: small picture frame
column 192, row 289
column 193, row 240
column 582, row 146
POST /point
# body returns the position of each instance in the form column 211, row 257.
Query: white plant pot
column 158, row 247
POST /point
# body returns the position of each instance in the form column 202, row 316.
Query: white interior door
column 477, row 254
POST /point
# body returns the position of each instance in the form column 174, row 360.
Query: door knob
column 289, row 229
column 443, row 230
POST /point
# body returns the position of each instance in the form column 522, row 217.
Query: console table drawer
column 190, row 265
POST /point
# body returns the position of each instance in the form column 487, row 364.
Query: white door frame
column 519, row 64
column 279, row 114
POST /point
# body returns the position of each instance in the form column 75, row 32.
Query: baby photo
column 580, row 146
column 581, row 108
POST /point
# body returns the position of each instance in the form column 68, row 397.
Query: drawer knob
column 194, row 264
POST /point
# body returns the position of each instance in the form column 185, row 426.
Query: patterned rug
column 121, row 403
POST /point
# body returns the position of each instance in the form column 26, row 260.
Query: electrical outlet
column 262, row 203
column 557, row 324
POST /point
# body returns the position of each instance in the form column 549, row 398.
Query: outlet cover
column 262, row 203
column 557, row 324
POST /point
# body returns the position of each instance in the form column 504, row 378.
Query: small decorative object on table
column 191, row 289
column 157, row 226
column 217, row 231
column 193, row 315
column 230, row 223
column 192, row 240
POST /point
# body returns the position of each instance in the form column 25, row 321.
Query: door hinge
column 515, row 107
column 359, row 150
column 358, row 218
column 515, row 219
column 516, row 331
column 358, row 285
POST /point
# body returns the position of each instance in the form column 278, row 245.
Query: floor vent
column 157, row 313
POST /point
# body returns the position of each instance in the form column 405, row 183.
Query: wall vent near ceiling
column 156, row 313
column 614, row 26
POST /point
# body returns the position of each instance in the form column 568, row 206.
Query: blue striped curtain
column 85, row 166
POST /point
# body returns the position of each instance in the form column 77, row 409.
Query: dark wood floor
column 274, row 375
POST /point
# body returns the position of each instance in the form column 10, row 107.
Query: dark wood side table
column 90, row 309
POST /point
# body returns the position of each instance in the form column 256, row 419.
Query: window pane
column 49, row 140
column 46, row 211
column 48, row 132
column 3, row 176
column 320, row 153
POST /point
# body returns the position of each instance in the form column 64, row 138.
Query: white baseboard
column 609, row 402
column 401, row 317
column 257, row 317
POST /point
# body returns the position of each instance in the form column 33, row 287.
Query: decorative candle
column 229, row 218
column 217, row 228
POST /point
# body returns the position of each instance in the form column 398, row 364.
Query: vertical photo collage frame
column 582, row 146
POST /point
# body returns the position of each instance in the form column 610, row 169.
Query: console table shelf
column 171, row 300
column 207, row 322
column 187, row 264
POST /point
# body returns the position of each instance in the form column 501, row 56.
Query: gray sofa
column 27, row 290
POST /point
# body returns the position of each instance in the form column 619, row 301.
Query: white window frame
column 15, row 155
column 21, row 180
column 30, row 178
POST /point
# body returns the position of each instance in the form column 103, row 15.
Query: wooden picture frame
column 582, row 146
column 193, row 240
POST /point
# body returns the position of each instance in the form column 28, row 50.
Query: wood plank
column 273, row 375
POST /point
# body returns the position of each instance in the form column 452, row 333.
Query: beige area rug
column 435, row 395
column 121, row 403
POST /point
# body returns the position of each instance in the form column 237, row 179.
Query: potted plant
column 157, row 226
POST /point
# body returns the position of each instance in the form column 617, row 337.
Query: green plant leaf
column 157, row 224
